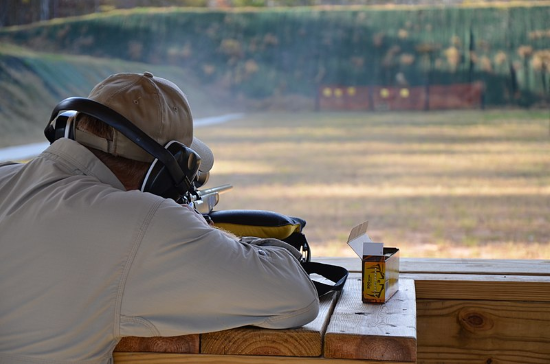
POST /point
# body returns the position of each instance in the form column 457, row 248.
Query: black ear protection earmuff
column 60, row 126
column 175, row 167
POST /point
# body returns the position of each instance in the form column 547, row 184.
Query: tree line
column 18, row 12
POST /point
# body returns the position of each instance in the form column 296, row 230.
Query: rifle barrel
column 219, row 189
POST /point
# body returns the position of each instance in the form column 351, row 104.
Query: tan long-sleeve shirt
column 84, row 262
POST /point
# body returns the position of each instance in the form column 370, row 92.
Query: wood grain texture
column 373, row 331
column 149, row 358
column 475, row 287
column 300, row 342
column 460, row 331
column 186, row 344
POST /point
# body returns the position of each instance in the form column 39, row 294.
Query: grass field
column 438, row 184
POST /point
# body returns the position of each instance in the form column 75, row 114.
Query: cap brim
column 207, row 157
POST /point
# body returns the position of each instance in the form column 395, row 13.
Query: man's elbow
column 296, row 318
column 309, row 312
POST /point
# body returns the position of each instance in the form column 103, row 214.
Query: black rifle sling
column 335, row 273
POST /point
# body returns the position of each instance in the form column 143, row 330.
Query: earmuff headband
column 128, row 129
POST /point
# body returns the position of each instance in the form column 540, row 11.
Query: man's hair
column 129, row 172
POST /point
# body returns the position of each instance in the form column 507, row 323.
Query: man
column 87, row 257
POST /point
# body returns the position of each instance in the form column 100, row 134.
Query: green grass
column 438, row 184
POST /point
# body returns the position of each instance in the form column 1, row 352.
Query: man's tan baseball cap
column 156, row 106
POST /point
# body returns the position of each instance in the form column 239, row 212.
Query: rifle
column 205, row 200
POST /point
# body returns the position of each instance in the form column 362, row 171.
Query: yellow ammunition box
column 380, row 276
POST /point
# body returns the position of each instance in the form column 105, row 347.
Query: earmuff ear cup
column 61, row 127
column 159, row 181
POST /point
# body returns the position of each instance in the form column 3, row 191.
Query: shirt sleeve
column 188, row 277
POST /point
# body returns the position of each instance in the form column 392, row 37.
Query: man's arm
column 188, row 277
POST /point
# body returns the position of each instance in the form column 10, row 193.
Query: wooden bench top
column 466, row 310
column 345, row 328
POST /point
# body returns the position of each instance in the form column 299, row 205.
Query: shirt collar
column 82, row 161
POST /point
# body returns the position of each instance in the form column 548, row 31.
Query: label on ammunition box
column 374, row 279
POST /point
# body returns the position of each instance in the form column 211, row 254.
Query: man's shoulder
column 166, row 209
column 105, row 196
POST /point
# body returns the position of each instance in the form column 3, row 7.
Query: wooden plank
column 373, row 331
column 476, row 287
column 150, row 358
column 457, row 331
column 477, row 266
column 353, row 265
column 255, row 341
column 525, row 267
column 185, row 344
column 300, row 342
